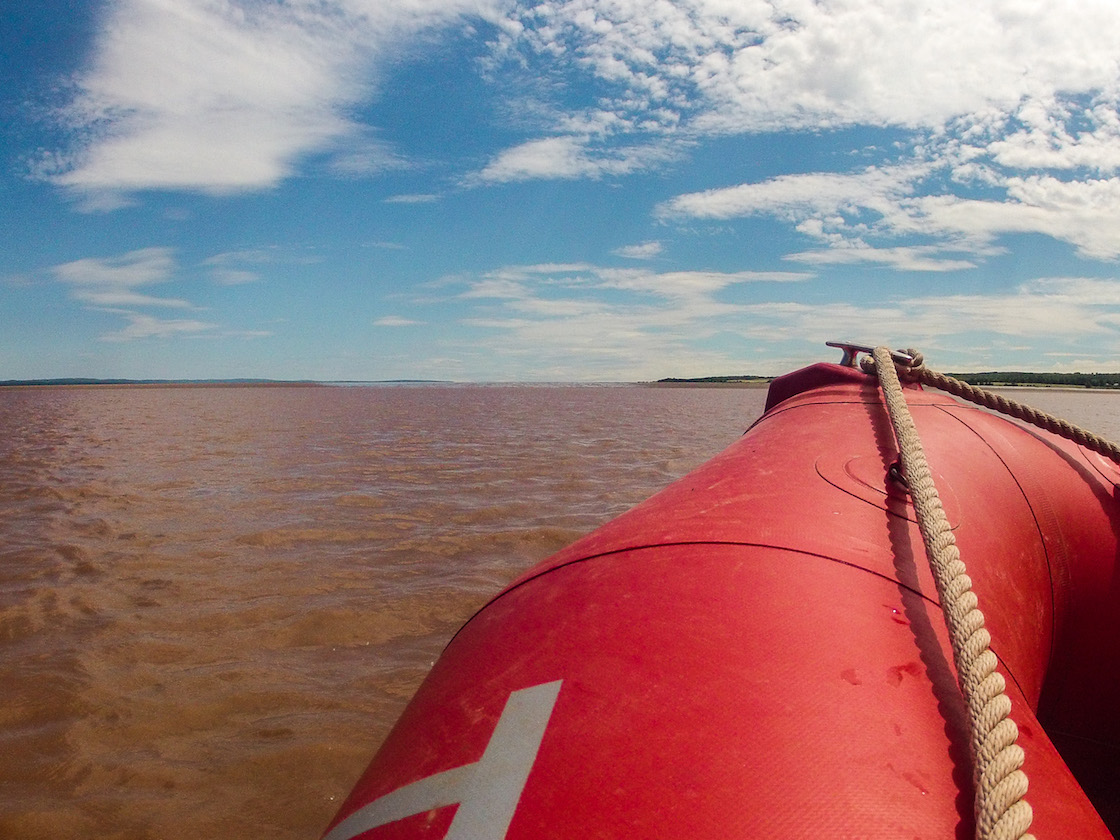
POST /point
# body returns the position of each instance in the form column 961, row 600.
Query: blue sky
column 483, row 190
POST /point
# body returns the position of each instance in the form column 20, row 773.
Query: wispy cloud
column 142, row 325
column 229, row 268
column 222, row 96
column 548, row 321
column 414, row 198
column 361, row 155
column 113, row 281
column 641, row 251
column 234, row 276
column 958, row 326
column 901, row 258
column 798, row 197
column 113, row 285
column 543, row 319
column 395, row 321
column 885, row 203
column 571, row 156
column 1080, row 212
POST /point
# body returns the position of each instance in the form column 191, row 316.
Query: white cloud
column 1083, row 213
column 221, row 96
column 113, row 285
column 228, row 95
column 1088, row 292
column 228, row 268
column 113, row 281
column 362, row 156
column 548, row 268
column 142, row 325
column 1007, row 114
column 395, row 321
column 1019, row 101
column 579, row 280
column 234, row 276
column 552, row 157
column 234, row 268
column 641, row 251
column 758, row 66
column 677, row 284
column 901, row 258
column 1058, row 310
column 414, row 198
column 797, row 197
column 1047, row 138
column 618, row 323
column 570, row 156
column 887, row 202
column 557, row 322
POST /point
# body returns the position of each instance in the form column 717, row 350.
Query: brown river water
column 215, row 601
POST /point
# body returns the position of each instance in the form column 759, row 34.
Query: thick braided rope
column 919, row 372
column 1000, row 785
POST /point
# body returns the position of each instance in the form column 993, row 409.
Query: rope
column 917, row 371
column 1000, row 785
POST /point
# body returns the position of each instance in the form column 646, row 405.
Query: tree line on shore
column 1073, row 380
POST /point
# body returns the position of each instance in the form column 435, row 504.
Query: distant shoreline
column 1014, row 379
column 155, row 383
column 715, row 382
column 91, row 382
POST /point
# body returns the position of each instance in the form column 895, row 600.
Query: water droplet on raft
column 916, row 781
column 894, row 674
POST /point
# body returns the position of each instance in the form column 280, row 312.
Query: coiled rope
column 998, row 780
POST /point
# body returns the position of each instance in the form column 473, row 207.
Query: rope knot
column 912, row 371
column 910, row 364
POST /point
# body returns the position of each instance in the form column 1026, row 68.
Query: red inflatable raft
column 757, row 651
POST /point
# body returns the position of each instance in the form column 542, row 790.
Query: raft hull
column 757, row 651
